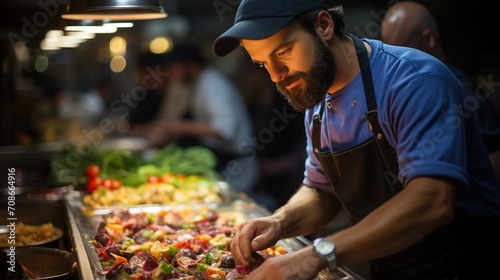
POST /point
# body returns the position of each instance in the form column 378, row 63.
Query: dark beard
column 317, row 81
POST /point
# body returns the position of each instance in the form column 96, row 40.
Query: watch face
column 325, row 247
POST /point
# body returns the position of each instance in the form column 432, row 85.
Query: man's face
column 301, row 65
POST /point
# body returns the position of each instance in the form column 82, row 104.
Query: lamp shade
column 78, row 10
column 147, row 5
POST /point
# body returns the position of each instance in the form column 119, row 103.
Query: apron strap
column 388, row 153
column 316, row 133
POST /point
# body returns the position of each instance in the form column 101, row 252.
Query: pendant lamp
column 114, row 10
column 147, row 5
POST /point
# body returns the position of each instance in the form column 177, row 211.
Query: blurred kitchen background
column 35, row 74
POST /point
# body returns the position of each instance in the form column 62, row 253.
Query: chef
column 386, row 141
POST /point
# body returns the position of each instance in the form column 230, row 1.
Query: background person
column 370, row 108
column 213, row 114
column 411, row 24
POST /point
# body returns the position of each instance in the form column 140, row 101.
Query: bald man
column 412, row 25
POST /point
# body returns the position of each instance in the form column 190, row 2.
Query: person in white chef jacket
column 204, row 107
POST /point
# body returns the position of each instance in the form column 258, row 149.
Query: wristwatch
column 325, row 249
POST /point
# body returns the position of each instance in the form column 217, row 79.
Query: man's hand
column 298, row 265
column 254, row 235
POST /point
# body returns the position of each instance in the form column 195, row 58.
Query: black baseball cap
column 259, row 19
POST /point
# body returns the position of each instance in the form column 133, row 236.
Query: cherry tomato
column 93, row 183
column 116, row 184
column 93, row 170
column 107, row 183
column 153, row 179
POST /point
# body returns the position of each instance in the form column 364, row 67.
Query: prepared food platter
column 24, row 235
column 191, row 189
column 182, row 241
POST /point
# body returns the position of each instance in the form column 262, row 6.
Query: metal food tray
column 83, row 223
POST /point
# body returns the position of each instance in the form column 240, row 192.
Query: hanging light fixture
column 114, row 10
column 151, row 5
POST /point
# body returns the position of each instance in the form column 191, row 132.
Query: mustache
column 290, row 79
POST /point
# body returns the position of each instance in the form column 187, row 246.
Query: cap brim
column 248, row 29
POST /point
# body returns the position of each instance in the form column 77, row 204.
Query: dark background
column 469, row 31
column 469, row 28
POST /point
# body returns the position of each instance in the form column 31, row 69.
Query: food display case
column 79, row 213
column 83, row 223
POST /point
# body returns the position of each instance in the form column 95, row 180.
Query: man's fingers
column 240, row 246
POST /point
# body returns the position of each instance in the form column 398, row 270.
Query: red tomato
column 116, row 184
column 182, row 244
column 93, row 170
column 153, row 179
column 107, row 183
column 93, row 183
column 181, row 177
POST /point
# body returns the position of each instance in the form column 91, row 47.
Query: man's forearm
column 307, row 211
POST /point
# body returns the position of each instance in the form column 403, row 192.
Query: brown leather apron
column 365, row 176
